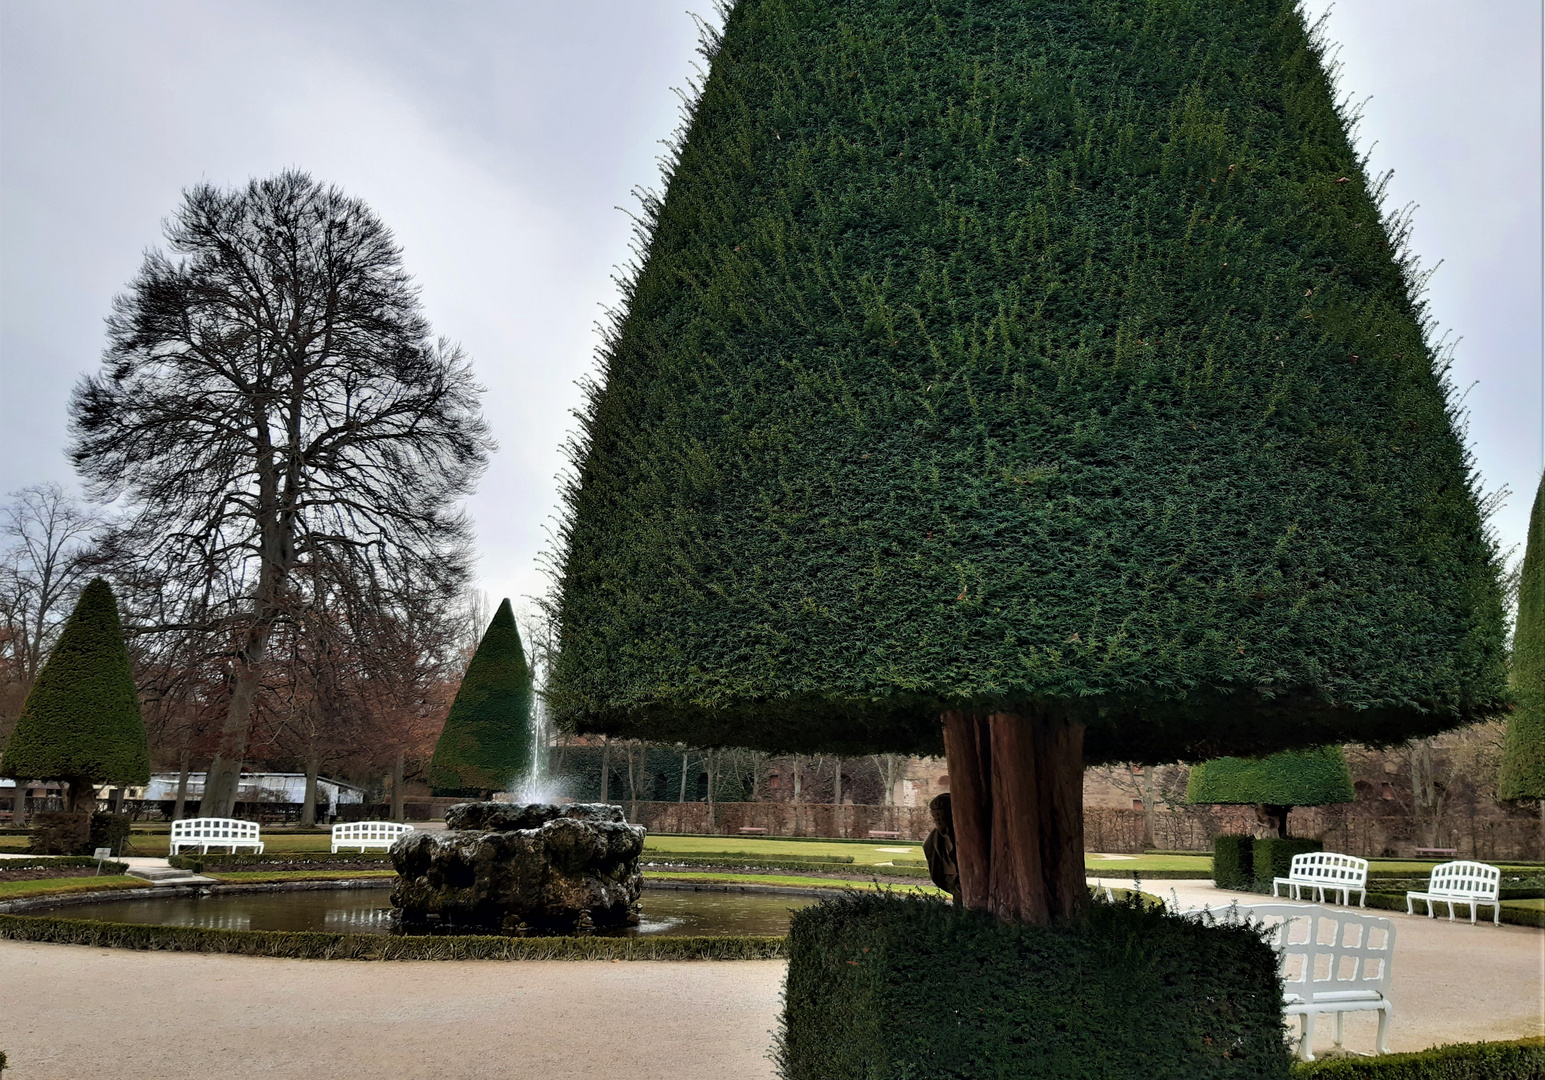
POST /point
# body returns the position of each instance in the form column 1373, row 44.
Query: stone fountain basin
column 504, row 867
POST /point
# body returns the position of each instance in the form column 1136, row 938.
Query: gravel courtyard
column 68, row 1011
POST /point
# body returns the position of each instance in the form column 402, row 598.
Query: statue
column 939, row 848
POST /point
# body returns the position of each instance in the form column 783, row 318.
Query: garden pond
column 666, row 912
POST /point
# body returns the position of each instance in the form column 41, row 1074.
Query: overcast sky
column 498, row 139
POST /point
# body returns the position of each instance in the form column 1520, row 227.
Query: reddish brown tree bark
column 1016, row 795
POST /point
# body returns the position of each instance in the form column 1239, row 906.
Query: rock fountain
column 516, row 869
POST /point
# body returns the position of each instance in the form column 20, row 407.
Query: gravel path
column 70, row 1011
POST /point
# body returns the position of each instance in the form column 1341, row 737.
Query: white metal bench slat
column 1461, row 882
column 363, row 834
column 1330, row 961
column 218, row 832
column 1326, row 871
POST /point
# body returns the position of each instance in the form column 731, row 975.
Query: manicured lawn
column 780, row 879
column 156, row 843
column 252, row 877
column 1537, row 904
column 10, row 890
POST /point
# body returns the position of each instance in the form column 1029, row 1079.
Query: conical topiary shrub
column 1523, row 752
column 81, row 722
column 486, row 743
column 1275, row 784
column 1045, row 369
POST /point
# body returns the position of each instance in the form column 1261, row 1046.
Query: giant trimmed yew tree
column 1038, row 379
column 1275, row 784
column 81, row 722
column 1523, row 752
column 486, row 742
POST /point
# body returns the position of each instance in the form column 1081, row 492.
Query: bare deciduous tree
column 275, row 414
column 46, row 537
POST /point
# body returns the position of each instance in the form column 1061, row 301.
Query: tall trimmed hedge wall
column 486, row 742
column 885, row 988
column 81, row 721
column 997, row 355
column 1523, row 752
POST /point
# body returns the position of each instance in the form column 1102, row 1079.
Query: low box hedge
column 743, row 856
column 213, row 861
column 1518, row 916
column 45, row 862
column 1232, row 867
column 886, row 987
column 312, row 945
column 1521, row 1059
column 752, row 862
column 1272, row 857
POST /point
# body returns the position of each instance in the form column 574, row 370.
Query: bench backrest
column 1330, row 868
column 1465, row 878
column 215, row 830
column 1323, row 950
column 352, row 832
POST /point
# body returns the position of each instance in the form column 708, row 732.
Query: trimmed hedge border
column 213, row 861
column 865, row 871
column 1513, row 915
column 313, row 945
column 46, row 862
column 1522, row 1059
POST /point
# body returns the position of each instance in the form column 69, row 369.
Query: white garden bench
column 368, row 834
column 206, row 832
column 1461, row 882
column 1326, row 871
column 1329, row 961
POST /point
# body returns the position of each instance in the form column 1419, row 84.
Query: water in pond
column 676, row 913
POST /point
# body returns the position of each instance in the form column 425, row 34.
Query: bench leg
column 1496, row 912
column 1306, row 1044
column 1382, row 1044
column 1340, row 1016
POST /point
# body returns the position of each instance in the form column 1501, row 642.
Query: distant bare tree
column 278, row 420
column 44, row 542
column 889, row 768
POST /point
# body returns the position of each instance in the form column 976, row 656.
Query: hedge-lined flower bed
column 1522, row 1059
column 213, row 863
column 313, row 945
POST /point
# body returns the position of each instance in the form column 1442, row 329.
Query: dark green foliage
column 1272, row 857
column 993, row 355
column 1314, row 777
column 109, row 866
column 1522, row 1059
column 883, row 987
column 108, row 831
column 486, row 742
column 60, row 832
column 311, row 945
column 1233, row 862
column 322, row 860
column 81, row 721
column 1396, row 901
column 1523, row 753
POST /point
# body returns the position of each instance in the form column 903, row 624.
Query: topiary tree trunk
column 1016, row 795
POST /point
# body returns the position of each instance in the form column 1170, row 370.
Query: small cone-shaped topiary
column 1523, row 754
column 1275, row 784
column 486, row 743
column 81, row 722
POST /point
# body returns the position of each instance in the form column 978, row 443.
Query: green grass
column 256, row 877
column 11, row 890
column 156, row 843
column 1528, row 905
column 780, row 879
